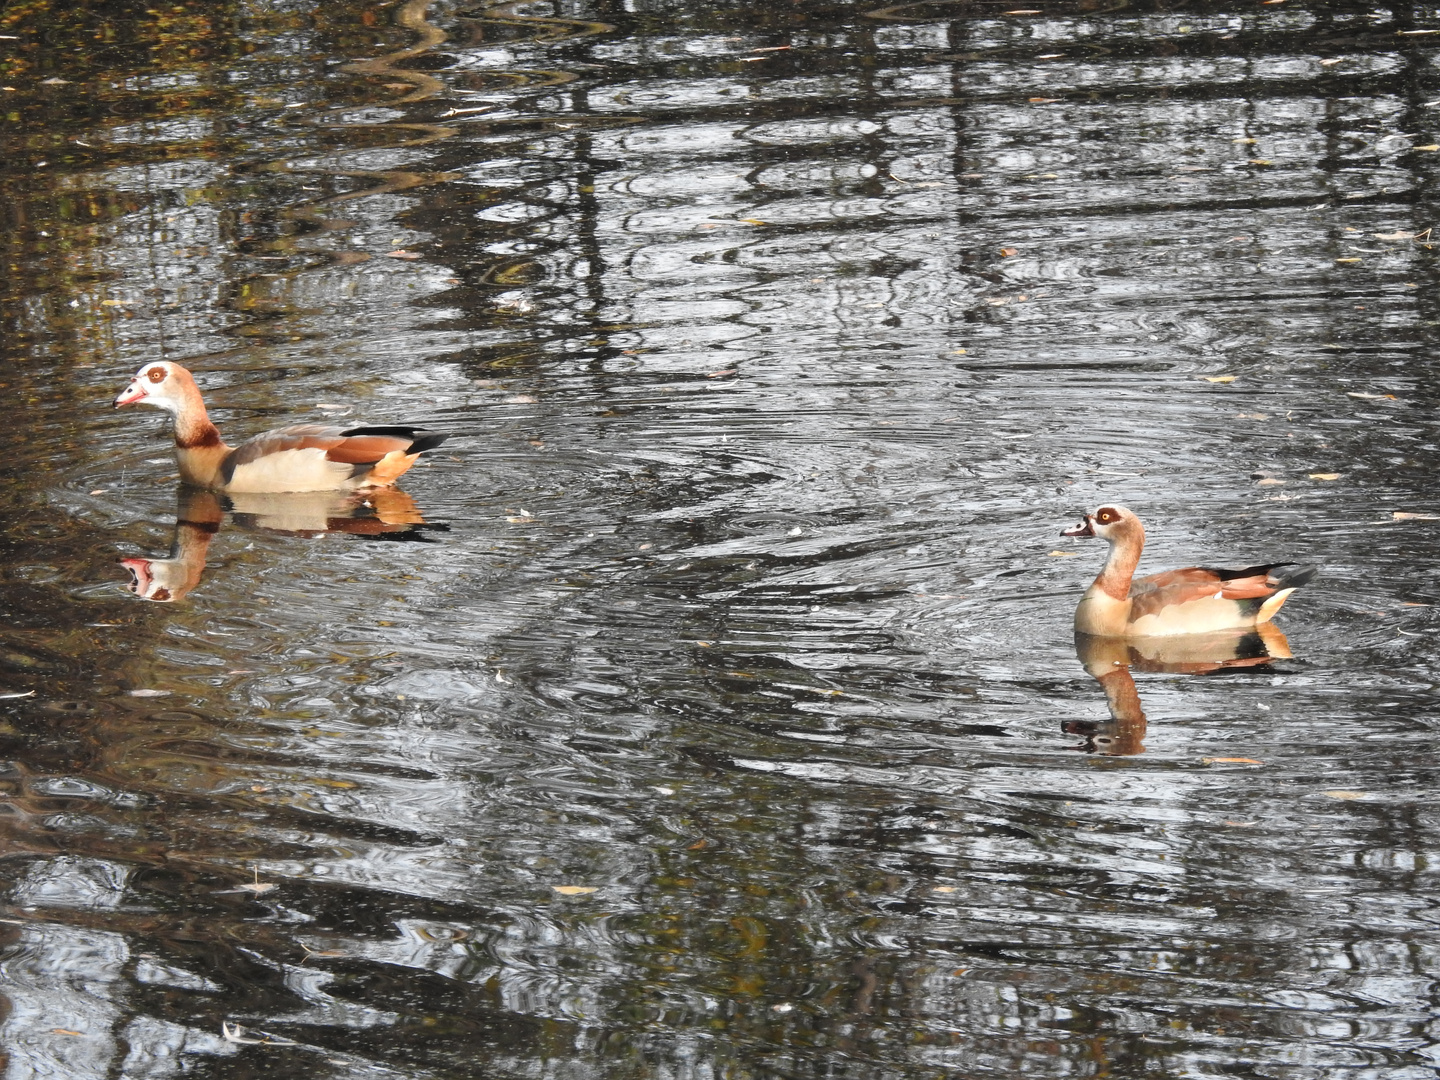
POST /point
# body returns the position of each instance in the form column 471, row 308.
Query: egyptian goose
column 306, row 457
column 1195, row 600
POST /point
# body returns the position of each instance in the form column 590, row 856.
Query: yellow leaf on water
column 1261, row 161
column 943, row 888
column 1221, row 378
column 752, row 221
column 402, row 255
column 574, row 890
column 112, row 303
column 65, row 1031
column 1401, row 515
column 1064, row 554
column 1269, row 481
column 1246, row 141
column 1230, row 761
column 1371, row 397
column 1350, row 260
column 1432, row 146
column 1343, row 794
column 1324, row 476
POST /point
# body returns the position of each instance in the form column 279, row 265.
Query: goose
column 305, row 457
column 1195, row 600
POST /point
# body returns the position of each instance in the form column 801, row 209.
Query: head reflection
column 1110, row 662
column 384, row 513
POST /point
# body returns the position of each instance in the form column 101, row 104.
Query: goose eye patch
column 156, row 374
column 1105, row 517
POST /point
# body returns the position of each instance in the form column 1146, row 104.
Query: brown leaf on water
column 1393, row 235
column 1324, row 476
column 1252, row 416
column 1343, row 794
column 574, row 890
column 943, row 888
column 401, row 254
column 1220, row 378
column 723, row 374
column 1007, row 252
column 1371, row 397
column 1401, row 515
column 65, row 1031
column 1268, row 481
column 1261, row 161
column 1352, row 259
column 1041, row 101
column 1230, row 761
column 522, row 399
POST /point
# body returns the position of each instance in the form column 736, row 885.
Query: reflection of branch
column 412, row 17
column 552, row 29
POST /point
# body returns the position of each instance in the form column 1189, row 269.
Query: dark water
column 780, row 341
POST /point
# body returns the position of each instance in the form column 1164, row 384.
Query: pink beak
column 129, row 395
column 1085, row 528
column 140, row 573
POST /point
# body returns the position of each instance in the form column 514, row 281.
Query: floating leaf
column 1221, row 378
column 112, row 303
column 574, row 890
column 402, row 254
column 752, row 221
column 1041, row 101
column 1230, row 761
column 1371, row 397
column 1064, row 554
column 65, row 1031
column 522, row 399
column 1324, row 476
column 1394, row 235
column 1261, row 161
column 149, row 693
column 1343, row 794
column 1352, row 259
column 1007, row 252
column 1430, row 147
column 1401, row 515
column 944, row 888
column 1252, row 416
column 725, row 374
column 1268, row 481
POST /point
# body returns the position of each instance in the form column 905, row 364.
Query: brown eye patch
column 156, row 374
column 1106, row 516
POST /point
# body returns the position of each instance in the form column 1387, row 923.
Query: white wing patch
column 291, row 470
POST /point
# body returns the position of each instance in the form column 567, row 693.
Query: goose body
column 1196, row 600
column 305, row 457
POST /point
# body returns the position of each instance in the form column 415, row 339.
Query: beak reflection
column 1110, row 662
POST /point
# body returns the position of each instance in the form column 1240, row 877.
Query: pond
column 708, row 705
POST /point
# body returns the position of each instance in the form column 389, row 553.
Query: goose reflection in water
column 381, row 513
column 1111, row 660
